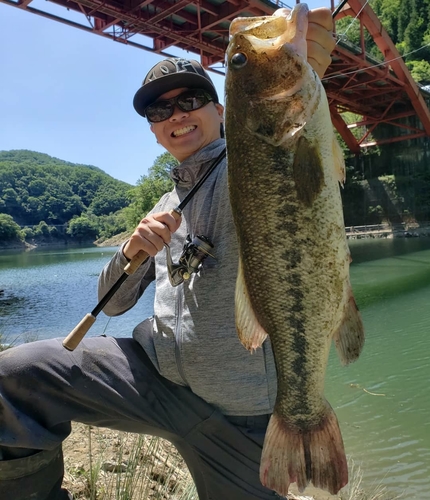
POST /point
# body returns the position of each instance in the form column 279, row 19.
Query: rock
column 113, row 467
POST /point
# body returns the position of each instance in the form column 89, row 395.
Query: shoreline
column 113, row 241
column 376, row 231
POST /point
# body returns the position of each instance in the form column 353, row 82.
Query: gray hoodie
column 192, row 339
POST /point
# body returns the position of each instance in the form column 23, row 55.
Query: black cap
column 172, row 73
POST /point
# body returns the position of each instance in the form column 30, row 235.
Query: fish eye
column 239, row 59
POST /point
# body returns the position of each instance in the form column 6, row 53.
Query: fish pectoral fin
column 349, row 338
column 308, row 171
column 339, row 162
column 249, row 330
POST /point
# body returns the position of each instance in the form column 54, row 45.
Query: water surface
column 382, row 401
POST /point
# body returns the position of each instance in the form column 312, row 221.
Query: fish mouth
column 183, row 131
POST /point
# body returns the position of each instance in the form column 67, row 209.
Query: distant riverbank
column 384, row 230
column 114, row 241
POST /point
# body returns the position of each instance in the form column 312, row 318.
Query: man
column 184, row 376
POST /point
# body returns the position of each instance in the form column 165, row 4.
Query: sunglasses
column 190, row 100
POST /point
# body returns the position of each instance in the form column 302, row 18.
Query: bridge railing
column 278, row 3
column 386, row 227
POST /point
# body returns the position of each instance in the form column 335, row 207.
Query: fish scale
column 284, row 168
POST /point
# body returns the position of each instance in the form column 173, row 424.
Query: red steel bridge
column 380, row 92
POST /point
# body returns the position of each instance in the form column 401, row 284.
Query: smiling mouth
column 184, row 130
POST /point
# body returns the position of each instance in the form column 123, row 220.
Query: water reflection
column 10, row 304
column 46, row 257
column 370, row 249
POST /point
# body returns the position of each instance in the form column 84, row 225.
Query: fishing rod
column 77, row 334
column 339, row 8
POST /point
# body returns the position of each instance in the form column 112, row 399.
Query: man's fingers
column 156, row 231
column 320, row 39
column 321, row 16
column 146, row 240
column 151, row 234
column 318, row 57
column 172, row 221
column 319, row 35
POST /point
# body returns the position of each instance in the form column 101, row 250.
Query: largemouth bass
column 285, row 168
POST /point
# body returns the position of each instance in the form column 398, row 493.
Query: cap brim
column 149, row 92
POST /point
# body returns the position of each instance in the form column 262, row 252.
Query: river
column 382, row 401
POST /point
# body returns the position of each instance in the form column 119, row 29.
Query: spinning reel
column 194, row 253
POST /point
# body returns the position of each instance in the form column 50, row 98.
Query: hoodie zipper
column 179, row 308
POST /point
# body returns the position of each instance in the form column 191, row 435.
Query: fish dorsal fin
column 308, row 171
column 249, row 330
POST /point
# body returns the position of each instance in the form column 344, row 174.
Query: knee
column 11, row 361
column 26, row 360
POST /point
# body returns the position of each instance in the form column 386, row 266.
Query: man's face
column 186, row 132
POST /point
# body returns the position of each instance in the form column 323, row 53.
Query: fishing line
column 352, row 22
column 375, row 65
column 342, row 36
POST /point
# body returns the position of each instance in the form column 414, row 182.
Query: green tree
column 42, row 229
column 82, row 228
column 420, row 71
column 110, row 225
column 9, row 229
column 150, row 188
column 108, row 199
column 407, row 22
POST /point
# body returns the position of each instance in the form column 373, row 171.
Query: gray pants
column 112, row 383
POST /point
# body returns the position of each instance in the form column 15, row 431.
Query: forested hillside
column 47, row 200
column 408, row 24
column 35, row 187
column 42, row 193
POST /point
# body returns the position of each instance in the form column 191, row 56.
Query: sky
column 69, row 93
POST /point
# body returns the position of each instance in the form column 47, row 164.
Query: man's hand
column 151, row 234
column 320, row 39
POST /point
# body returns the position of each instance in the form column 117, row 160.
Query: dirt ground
column 103, row 464
column 109, row 454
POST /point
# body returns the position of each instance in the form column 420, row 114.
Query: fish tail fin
column 349, row 338
column 292, row 455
